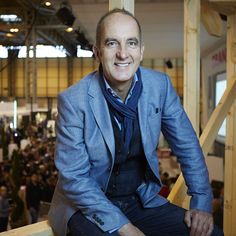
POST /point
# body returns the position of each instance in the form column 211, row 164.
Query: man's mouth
column 122, row 64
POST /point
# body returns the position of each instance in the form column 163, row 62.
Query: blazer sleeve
column 72, row 161
column 184, row 143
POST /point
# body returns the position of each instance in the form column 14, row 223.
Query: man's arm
column 184, row 143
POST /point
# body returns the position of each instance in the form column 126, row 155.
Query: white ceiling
column 162, row 24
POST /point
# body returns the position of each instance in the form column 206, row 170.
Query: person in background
column 33, row 197
column 108, row 129
column 4, row 209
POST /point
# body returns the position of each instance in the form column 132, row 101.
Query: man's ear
column 96, row 53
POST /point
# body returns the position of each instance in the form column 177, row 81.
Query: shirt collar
column 115, row 95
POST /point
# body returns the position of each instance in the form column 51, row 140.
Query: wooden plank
column 127, row 5
column 210, row 131
column 192, row 60
column 37, row 229
column 191, row 82
column 230, row 145
column 178, row 192
column 208, row 136
column 226, row 7
column 211, row 20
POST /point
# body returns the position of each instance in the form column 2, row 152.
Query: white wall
column 212, row 64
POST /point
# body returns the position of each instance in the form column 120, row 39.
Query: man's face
column 120, row 51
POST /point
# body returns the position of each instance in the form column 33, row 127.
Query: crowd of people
column 37, row 172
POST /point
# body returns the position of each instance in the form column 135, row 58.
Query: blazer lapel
column 143, row 114
column 101, row 113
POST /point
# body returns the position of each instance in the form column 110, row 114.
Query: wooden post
column 191, row 82
column 127, row 5
column 192, row 60
column 230, row 145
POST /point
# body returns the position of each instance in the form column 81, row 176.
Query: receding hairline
column 102, row 20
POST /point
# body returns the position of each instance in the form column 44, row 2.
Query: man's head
column 34, row 178
column 3, row 191
column 116, row 10
column 119, row 46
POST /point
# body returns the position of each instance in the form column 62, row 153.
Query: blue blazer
column 85, row 151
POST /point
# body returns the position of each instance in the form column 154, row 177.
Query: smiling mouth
column 122, row 64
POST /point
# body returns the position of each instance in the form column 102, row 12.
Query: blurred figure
column 4, row 209
column 218, row 206
column 33, row 197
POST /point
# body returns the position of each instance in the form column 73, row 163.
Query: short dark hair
column 115, row 10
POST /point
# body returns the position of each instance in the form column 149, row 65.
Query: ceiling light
column 47, row 3
column 14, row 30
column 9, row 35
column 69, row 29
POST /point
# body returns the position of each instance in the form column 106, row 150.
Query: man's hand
column 130, row 230
column 200, row 222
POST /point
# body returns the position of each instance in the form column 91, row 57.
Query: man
column 4, row 209
column 33, row 197
column 107, row 134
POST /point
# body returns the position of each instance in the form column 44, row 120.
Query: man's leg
column 80, row 226
column 166, row 220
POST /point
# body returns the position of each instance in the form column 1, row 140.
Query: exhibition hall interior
column 47, row 46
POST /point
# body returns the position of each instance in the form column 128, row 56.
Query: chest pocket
column 154, row 122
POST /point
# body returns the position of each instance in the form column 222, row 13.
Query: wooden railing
column 37, row 229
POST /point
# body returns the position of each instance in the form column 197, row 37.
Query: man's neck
column 122, row 88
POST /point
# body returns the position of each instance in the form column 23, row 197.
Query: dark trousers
column 3, row 223
column 166, row 220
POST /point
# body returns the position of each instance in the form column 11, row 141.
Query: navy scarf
column 124, row 113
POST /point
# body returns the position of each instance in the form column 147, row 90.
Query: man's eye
column 133, row 44
column 111, row 43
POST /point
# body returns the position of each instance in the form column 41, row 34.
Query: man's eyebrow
column 110, row 39
column 129, row 39
column 134, row 38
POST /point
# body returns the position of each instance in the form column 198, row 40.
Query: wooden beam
column 226, row 7
column 127, row 5
column 192, row 60
column 37, row 229
column 191, row 83
column 211, row 130
column 230, row 144
column 211, row 20
column 208, row 136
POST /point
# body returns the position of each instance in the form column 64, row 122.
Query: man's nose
column 122, row 52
